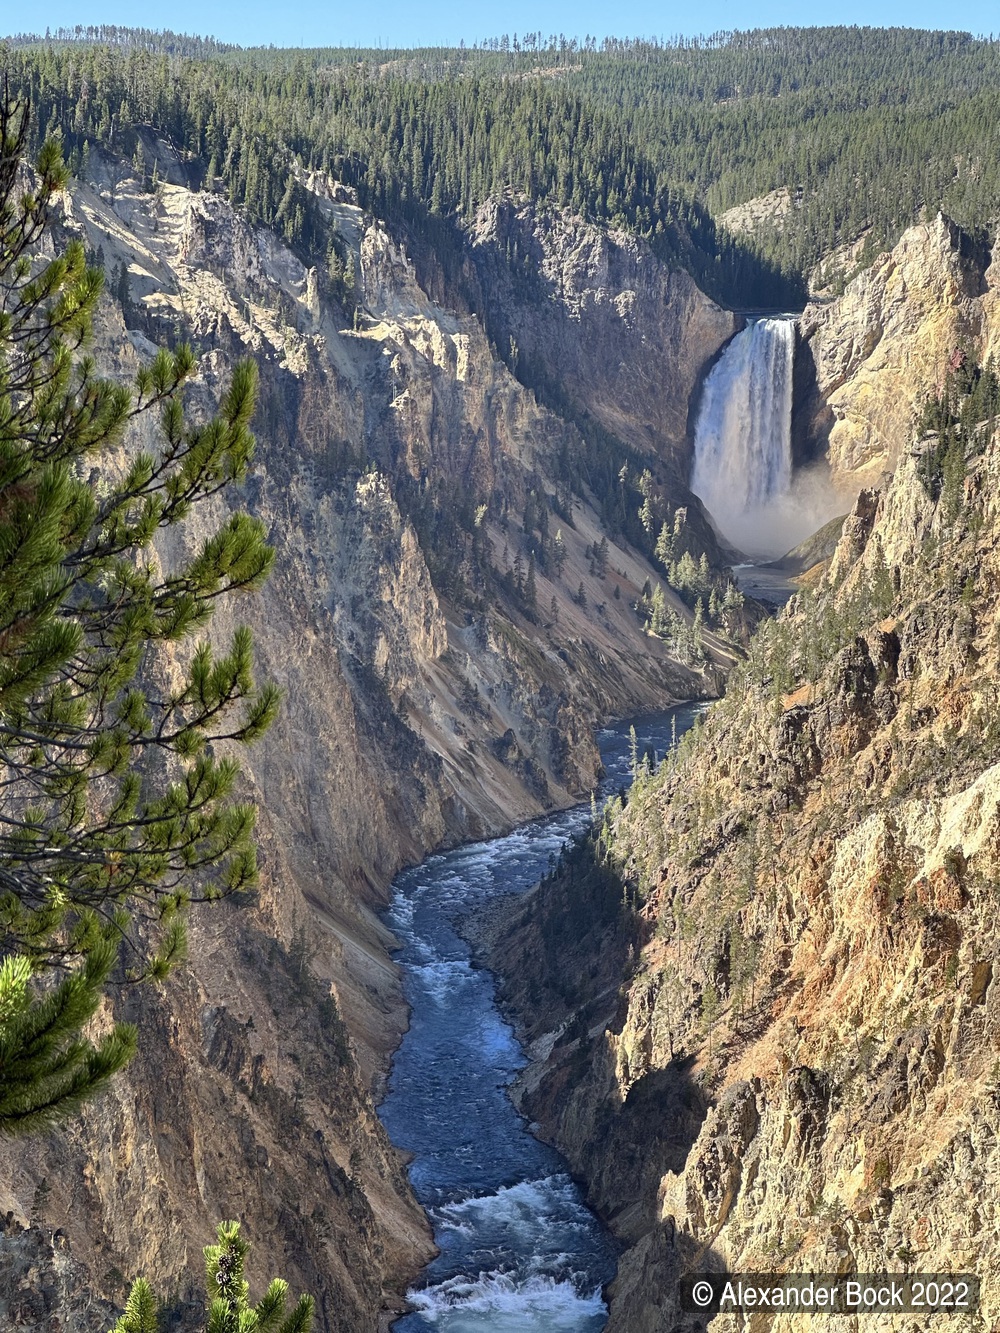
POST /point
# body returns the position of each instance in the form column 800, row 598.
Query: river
column 520, row 1250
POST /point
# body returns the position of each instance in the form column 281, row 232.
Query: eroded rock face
column 798, row 1069
column 881, row 347
column 411, row 719
column 42, row 1285
column 598, row 315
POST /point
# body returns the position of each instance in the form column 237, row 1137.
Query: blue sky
column 410, row 23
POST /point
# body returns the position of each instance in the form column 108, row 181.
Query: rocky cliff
column 441, row 682
column 598, row 321
column 783, row 1055
column 869, row 357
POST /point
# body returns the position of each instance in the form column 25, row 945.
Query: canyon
column 424, row 709
column 414, row 717
column 781, row 1056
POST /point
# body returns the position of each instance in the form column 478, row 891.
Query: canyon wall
column 599, row 321
column 783, row 1055
column 870, row 356
column 420, row 708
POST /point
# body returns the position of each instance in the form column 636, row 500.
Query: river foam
column 520, row 1252
column 504, row 1304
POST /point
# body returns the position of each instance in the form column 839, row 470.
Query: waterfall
column 743, row 441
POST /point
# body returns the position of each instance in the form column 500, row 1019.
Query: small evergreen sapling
column 229, row 1309
column 140, row 1311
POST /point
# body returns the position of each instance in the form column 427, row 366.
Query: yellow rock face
column 798, row 1071
column 887, row 341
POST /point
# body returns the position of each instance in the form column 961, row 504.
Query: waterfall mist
column 743, row 446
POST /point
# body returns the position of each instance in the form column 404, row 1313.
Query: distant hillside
column 863, row 128
column 161, row 41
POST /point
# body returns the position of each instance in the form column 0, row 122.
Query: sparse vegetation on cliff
column 805, row 889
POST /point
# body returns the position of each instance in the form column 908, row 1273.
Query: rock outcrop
column 874, row 353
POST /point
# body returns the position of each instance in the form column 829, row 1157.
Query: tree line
column 867, row 129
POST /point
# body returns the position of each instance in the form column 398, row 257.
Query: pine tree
column 229, row 1309
column 559, row 551
column 91, row 833
column 123, row 291
column 47, row 1069
column 530, row 586
column 518, row 573
column 140, row 1311
column 733, row 599
column 665, row 546
column 658, row 621
column 530, row 519
column 601, row 558
column 687, row 573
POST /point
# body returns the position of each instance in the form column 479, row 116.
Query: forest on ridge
column 861, row 130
